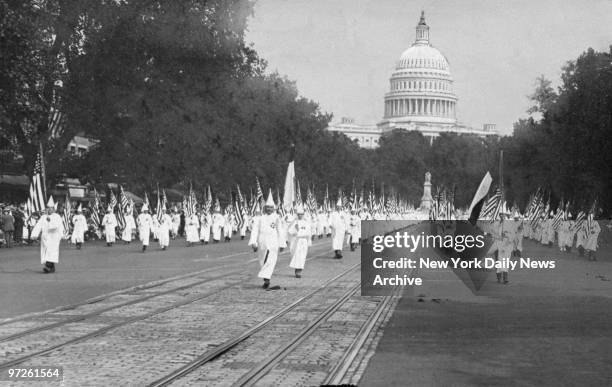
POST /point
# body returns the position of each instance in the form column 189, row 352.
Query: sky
column 341, row 53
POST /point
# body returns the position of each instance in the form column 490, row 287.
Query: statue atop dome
column 422, row 31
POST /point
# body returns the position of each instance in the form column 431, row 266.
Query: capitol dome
column 421, row 87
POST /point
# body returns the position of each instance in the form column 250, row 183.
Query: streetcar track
column 231, row 343
column 255, row 374
column 109, row 308
column 259, row 371
column 133, row 289
column 145, row 316
column 340, row 369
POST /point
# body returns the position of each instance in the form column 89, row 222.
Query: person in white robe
column 301, row 231
column 338, row 227
column 285, row 221
column 145, row 222
column 245, row 226
column 354, row 229
column 266, row 241
column 110, row 223
column 163, row 230
column 176, row 222
column 205, row 225
column 591, row 240
column 504, row 243
column 228, row 226
column 218, row 221
column 79, row 228
column 321, row 223
column 192, row 229
column 50, row 228
column 130, row 225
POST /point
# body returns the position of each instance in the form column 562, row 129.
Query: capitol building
column 421, row 97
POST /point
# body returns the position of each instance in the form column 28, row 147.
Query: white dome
column 422, row 56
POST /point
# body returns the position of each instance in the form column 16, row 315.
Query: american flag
column 493, row 205
column 66, row 216
column 37, row 199
column 95, row 216
column 123, row 203
column 311, row 201
column 326, row 204
column 580, row 220
column 259, row 198
column 558, row 216
column 209, row 200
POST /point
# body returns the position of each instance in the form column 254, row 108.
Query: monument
column 426, row 200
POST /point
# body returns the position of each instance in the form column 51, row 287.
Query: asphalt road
column 97, row 269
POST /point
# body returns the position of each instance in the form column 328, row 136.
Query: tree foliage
column 176, row 96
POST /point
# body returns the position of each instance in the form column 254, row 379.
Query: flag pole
column 43, row 170
column 501, row 174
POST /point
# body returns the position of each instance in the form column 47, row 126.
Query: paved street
column 97, row 269
column 185, row 303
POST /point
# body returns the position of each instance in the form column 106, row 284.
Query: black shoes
column 298, row 273
column 338, row 254
column 266, row 283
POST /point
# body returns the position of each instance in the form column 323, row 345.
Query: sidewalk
column 545, row 328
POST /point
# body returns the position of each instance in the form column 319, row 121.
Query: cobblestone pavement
column 138, row 336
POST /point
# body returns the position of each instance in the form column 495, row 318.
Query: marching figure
column 130, row 225
column 266, row 238
column 591, row 240
column 192, row 228
column 301, row 232
column 163, row 230
column 176, row 222
column 338, row 227
column 110, row 222
column 80, row 226
column 205, row 224
column 145, row 222
column 50, row 227
column 229, row 224
column 218, row 221
column 354, row 229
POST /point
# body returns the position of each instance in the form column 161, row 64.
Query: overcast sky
column 341, row 53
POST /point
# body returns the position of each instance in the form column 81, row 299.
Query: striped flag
column 66, row 216
column 493, row 205
column 95, row 214
column 259, row 198
column 37, row 191
column 209, row 200
column 580, row 221
column 159, row 206
column 123, row 203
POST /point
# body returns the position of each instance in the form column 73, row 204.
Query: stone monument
column 426, row 200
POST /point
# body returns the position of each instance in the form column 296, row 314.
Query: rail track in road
column 241, row 275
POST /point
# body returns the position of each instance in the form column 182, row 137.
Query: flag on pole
column 493, row 205
column 66, row 216
column 95, row 214
column 209, row 200
column 479, row 198
column 289, row 193
column 38, row 198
